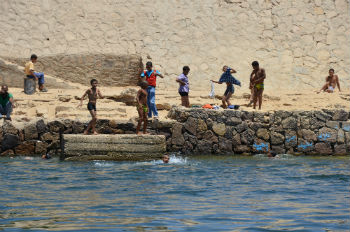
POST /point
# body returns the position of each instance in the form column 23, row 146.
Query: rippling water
column 188, row 194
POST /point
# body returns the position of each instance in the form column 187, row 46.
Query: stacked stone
column 38, row 138
column 203, row 131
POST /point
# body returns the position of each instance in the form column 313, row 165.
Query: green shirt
column 4, row 101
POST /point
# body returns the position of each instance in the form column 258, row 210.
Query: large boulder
column 340, row 115
column 30, row 132
column 177, row 137
column 26, row 148
column 9, row 141
column 219, row 128
column 323, row 148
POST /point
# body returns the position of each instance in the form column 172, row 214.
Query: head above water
column 186, row 70
column 149, row 66
column 255, row 65
column 144, row 84
column 165, row 159
column 93, row 83
column 272, row 154
column 33, row 58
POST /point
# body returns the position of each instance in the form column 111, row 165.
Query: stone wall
column 295, row 41
column 202, row 131
column 108, row 69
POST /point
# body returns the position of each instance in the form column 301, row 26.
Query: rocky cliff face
column 296, row 41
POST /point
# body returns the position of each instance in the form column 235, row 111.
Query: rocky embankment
column 202, row 131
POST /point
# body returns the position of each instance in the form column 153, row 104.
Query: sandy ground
column 58, row 103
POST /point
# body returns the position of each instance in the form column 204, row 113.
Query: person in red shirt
column 150, row 75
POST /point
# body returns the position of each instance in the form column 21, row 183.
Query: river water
column 202, row 193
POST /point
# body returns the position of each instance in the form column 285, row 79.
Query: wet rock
column 291, row 139
column 40, row 147
column 225, row 145
column 340, row 115
column 346, row 126
column 9, row 128
column 279, row 149
column 305, row 146
column 191, row 125
column 242, row 149
column 177, row 137
column 30, row 132
column 263, row 134
column 248, row 136
column 290, row 123
column 49, row 137
column 26, row 148
column 201, row 125
column 9, row 152
column 219, row 128
column 191, row 138
column 9, row 141
column 323, row 148
column 326, row 134
column 204, row 147
column 276, row 138
column 340, row 149
column 308, row 135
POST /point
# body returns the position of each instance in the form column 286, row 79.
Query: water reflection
column 201, row 193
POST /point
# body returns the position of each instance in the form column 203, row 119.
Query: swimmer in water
column 165, row 159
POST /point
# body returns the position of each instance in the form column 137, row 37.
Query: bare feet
column 95, row 133
column 146, row 133
column 86, row 132
column 139, row 133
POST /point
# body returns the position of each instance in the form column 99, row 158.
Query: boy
column 142, row 108
column 230, row 81
column 151, row 77
column 257, row 78
column 39, row 76
column 93, row 93
column 332, row 81
column 184, row 88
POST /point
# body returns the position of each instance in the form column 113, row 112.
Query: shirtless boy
column 332, row 81
column 142, row 107
column 257, row 78
column 93, row 93
column 230, row 81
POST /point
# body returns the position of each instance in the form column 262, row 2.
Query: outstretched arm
column 217, row 82
column 160, row 75
column 233, row 71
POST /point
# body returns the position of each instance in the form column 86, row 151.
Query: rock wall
column 295, row 41
column 108, row 69
column 202, row 131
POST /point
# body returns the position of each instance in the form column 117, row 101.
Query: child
column 93, row 93
column 142, row 107
column 257, row 78
column 230, row 81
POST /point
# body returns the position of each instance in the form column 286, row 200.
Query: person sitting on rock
column 142, row 108
column 332, row 81
column 184, row 86
column 230, row 81
column 93, row 93
column 151, row 77
column 30, row 72
column 6, row 102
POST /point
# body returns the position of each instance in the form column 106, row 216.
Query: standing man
column 332, row 81
column 151, row 77
column 184, row 87
column 30, row 72
column 6, row 102
column 257, row 78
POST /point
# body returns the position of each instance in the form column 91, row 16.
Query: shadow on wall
column 108, row 69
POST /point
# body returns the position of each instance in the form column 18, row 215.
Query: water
column 188, row 194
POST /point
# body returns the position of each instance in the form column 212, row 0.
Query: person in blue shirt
column 230, row 81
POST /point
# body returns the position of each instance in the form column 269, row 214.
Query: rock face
column 116, row 70
column 303, row 37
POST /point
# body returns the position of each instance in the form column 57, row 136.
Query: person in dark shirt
column 6, row 103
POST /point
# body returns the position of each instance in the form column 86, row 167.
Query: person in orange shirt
column 30, row 72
